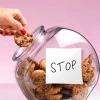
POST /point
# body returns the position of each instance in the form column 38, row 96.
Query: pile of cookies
column 23, row 40
column 32, row 77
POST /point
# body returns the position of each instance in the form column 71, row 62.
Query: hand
column 12, row 21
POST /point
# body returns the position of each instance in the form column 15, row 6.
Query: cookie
column 33, row 61
column 23, row 40
column 48, row 97
column 31, row 68
column 38, row 77
column 87, row 77
column 68, row 86
column 43, row 88
column 88, row 60
column 22, row 69
column 36, row 64
column 42, row 64
column 54, row 97
column 87, row 69
column 55, row 89
column 82, row 95
column 40, row 96
column 92, row 80
column 87, row 72
column 48, row 89
column 66, row 92
column 80, row 90
column 28, row 75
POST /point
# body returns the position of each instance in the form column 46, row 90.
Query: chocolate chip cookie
column 42, row 64
column 91, row 82
column 80, row 91
column 43, row 88
column 22, row 69
column 54, row 97
column 29, row 72
column 87, row 68
column 48, row 97
column 38, row 77
column 55, row 89
column 68, row 86
column 88, row 60
column 66, row 92
column 23, row 40
column 88, row 72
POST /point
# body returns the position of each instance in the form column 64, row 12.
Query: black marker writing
column 52, row 67
column 73, row 63
column 60, row 64
column 68, row 65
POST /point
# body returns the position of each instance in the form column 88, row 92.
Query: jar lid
column 23, row 50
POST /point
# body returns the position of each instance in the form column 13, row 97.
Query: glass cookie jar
column 30, row 70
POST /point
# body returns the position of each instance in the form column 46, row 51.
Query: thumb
column 17, row 25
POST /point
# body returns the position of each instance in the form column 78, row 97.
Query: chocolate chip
column 31, row 35
column 28, row 35
column 17, row 35
column 30, row 40
column 25, row 38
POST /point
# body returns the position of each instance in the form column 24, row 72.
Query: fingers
column 17, row 25
column 10, row 30
column 7, row 30
column 3, row 33
column 15, row 20
column 22, row 20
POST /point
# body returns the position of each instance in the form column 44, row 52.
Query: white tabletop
column 12, row 92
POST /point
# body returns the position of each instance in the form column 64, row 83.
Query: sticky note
column 63, row 66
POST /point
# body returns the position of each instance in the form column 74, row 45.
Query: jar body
column 31, row 69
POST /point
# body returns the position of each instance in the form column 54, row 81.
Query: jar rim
column 23, row 50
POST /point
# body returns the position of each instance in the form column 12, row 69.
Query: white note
column 63, row 66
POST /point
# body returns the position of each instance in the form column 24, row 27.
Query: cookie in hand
column 23, row 40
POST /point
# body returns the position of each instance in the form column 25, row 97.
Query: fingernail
column 12, row 33
column 23, row 31
column 1, row 32
column 6, row 33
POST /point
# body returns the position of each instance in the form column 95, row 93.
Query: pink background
column 80, row 15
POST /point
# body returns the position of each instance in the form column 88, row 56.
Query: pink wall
column 80, row 15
